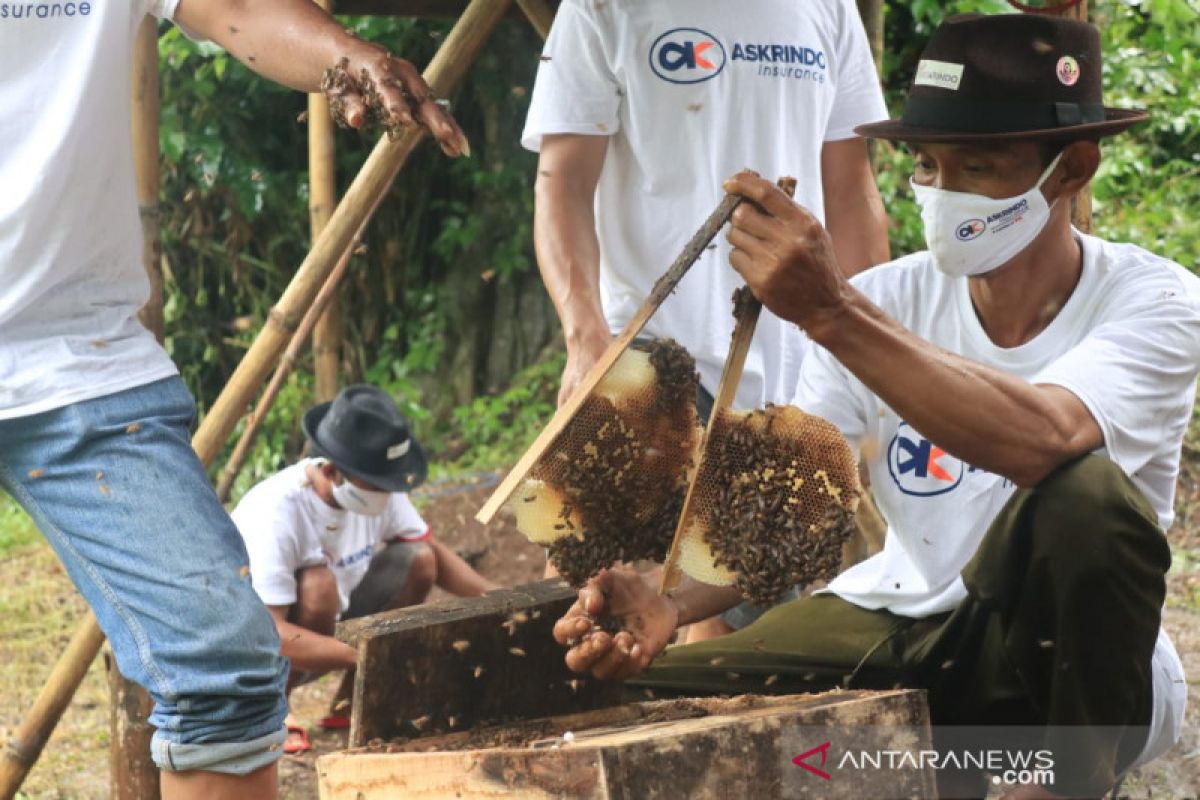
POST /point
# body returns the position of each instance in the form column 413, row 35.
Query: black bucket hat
column 364, row 434
column 1007, row 76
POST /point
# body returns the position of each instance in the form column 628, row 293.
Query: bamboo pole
column 145, row 96
column 539, row 14
column 132, row 774
column 447, row 68
column 26, row 743
column 325, row 298
column 322, row 197
column 449, row 65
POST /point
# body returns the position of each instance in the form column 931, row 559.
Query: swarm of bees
column 337, row 84
column 774, row 503
column 611, row 487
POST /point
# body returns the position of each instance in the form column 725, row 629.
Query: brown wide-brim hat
column 1007, row 76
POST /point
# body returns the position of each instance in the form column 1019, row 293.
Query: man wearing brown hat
column 336, row 537
column 1028, row 387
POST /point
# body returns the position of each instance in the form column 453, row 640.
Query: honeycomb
column 611, row 486
column 774, row 502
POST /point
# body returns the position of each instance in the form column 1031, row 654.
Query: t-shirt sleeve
column 405, row 524
column 163, row 9
column 859, row 97
column 576, row 90
column 279, row 544
column 1136, row 375
column 827, row 390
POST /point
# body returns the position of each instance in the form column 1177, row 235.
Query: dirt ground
column 39, row 609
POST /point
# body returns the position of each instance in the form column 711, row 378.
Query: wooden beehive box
column 690, row 749
column 465, row 662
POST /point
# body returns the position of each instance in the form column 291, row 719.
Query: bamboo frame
column 566, row 412
column 447, row 68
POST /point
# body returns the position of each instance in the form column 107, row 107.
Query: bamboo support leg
column 540, row 15
column 445, row 71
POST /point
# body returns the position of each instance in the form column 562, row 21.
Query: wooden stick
column 26, row 742
column 746, row 310
column 322, row 181
column 287, row 364
column 566, row 412
column 449, row 65
column 539, row 14
column 458, row 50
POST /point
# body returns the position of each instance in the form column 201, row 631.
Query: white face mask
column 970, row 234
column 360, row 501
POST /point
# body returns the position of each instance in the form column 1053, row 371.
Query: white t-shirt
column 287, row 527
column 1127, row 340
column 71, row 273
column 691, row 92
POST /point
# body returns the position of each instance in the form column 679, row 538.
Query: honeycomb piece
column 543, row 513
column 696, row 559
column 619, row 469
column 775, row 499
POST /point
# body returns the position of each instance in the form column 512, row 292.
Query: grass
column 16, row 529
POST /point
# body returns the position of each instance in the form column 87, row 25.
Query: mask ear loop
column 1046, row 173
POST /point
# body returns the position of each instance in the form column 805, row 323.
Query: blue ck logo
column 919, row 467
column 687, row 55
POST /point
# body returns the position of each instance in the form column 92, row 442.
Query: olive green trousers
column 1064, row 604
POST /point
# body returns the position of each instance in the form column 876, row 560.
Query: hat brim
column 407, row 473
column 1117, row 120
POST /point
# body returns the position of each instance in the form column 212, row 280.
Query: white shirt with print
column 691, row 92
column 1126, row 343
column 71, row 273
column 286, row 527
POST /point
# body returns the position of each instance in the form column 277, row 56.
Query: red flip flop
column 297, row 740
column 335, row 722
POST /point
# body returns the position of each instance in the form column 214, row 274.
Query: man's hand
column 581, row 357
column 784, row 254
column 294, row 42
column 369, row 80
column 647, row 622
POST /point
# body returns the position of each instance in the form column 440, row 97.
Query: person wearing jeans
column 94, row 421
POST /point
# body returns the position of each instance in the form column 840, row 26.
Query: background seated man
column 1022, row 582
column 336, row 537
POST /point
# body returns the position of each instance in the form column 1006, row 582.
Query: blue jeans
column 115, row 487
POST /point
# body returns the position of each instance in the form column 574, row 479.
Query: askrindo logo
column 971, row 229
column 919, row 467
column 687, row 55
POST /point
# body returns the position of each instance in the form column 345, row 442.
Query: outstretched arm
column 293, row 42
column 456, row 576
column 309, row 650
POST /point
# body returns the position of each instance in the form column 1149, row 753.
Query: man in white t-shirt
column 640, row 111
column 1028, row 388
column 336, row 537
column 93, row 417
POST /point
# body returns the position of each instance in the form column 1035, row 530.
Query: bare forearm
column 568, row 254
column 858, row 227
column 456, row 576
column 986, row 417
column 696, row 601
column 312, row 651
column 289, row 41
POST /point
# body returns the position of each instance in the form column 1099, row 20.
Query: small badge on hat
column 942, row 74
column 1067, row 70
column 399, row 450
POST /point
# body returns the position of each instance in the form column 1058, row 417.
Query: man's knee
column 423, row 570
column 317, row 599
column 1089, row 514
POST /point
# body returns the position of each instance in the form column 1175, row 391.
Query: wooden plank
column 701, row 749
column 465, row 662
column 566, row 412
column 540, row 15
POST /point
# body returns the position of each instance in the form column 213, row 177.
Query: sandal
column 335, row 722
column 297, row 740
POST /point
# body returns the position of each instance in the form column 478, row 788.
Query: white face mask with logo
column 970, row 234
column 360, row 501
